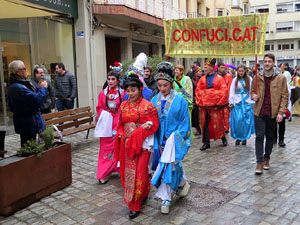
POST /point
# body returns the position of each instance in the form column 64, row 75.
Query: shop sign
column 65, row 6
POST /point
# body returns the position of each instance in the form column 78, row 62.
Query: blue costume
column 174, row 118
column 241, row 116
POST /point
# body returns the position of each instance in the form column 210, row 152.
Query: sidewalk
column 272, row 198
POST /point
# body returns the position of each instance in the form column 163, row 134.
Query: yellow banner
column 226, row 36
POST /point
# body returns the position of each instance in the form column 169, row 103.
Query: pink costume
column 108, row 98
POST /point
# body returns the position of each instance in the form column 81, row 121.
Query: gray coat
column 65, row 86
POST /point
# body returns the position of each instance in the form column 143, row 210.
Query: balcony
column 156, row 8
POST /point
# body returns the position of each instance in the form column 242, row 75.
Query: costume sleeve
column 120, row 131
column 135, row 141
column 284, row 98
column 198, row 93
column 100, row 105
column 184, row 127
column 232, row 92
column 230, row 79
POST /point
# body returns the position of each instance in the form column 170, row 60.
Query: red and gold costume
column 129, row 151
column 228, row 80
column 211, row 102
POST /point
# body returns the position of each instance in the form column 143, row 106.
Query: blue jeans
column 62, row 104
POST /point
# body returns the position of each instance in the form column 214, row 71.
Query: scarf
column 15, row 78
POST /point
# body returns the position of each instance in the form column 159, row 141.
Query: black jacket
column 49, row 103
column 151, row 83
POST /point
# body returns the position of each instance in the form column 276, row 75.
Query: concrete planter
column 24, row 180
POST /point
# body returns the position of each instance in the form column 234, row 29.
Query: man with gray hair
column 25, row 100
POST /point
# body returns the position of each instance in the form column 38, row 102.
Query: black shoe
column 237, row 142
column 133, row 214
column 281, row 143
column 226, row 131
column 224, row 140
column 244, row 142
column 205, row 146
column 145, row 199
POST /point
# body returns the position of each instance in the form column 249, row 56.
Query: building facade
column 283, row 30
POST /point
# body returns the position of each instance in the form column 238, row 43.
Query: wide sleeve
column 230, row 79
column 232, row 92
column 101, row 103
column 184, row 127
column 199, row 92
column 216, row 96
column 135, row 141
column 120, row 132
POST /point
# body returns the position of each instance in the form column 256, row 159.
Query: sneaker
column 165, row 206
column 244, row 142
column 266, row 164
column 184, row 190
column 259, row 168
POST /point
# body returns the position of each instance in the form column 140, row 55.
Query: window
column 285, row 46
column 284, row 7
column 260, row 9
column 297, row 7
column 246, row 10
column 220, row 12
column 269, row 47
column 298, row 44
column 267, row 30
column 284, row 26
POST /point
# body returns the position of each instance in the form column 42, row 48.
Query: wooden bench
column 70, row 121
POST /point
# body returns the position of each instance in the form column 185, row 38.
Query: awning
column 21, row 9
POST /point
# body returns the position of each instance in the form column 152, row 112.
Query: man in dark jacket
column 25, row 100
column 149, row 79
column 65, row 88
column 49, row 104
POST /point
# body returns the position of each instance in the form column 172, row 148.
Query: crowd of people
column 146, row 119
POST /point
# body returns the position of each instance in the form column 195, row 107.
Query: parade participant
column 195, row 76
column 212, row 97
column 138, row 120
column 109, row 101
column 281, row 125
column 296, row 84
column 241, row 116
column 172, row 140
column 271, row 101
column 186, row 84
column 147, row 92
column 228, row 81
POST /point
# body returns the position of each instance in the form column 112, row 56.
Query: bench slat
column 68, row 118
column 66, row 112
column 76, row 130
column 74, row 123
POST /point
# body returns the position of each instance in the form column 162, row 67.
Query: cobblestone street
column 272, row 198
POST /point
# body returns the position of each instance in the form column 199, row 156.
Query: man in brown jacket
column 271, row 102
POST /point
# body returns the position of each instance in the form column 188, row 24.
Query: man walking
column 212, row 97
column 49, row 104
column 271, row 97
column 65, row 88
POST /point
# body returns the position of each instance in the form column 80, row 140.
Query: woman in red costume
column 137, row 123
column 109, row 102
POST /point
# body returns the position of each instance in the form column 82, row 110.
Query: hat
column 165, row 72
column 210, row 61
column 117, row 67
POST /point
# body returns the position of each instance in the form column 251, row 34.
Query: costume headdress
column 117, row 67
column 210, row 61
column 165, row 72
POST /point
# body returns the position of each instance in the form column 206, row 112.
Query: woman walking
column 138, row 121
column 109, row 102
column 241, row 116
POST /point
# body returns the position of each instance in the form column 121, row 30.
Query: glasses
column 24, row 69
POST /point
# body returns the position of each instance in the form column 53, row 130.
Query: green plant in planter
column 35, row 147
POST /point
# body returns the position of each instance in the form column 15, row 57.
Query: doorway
column 113, row 51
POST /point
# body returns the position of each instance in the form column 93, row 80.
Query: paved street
column 272, row 198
